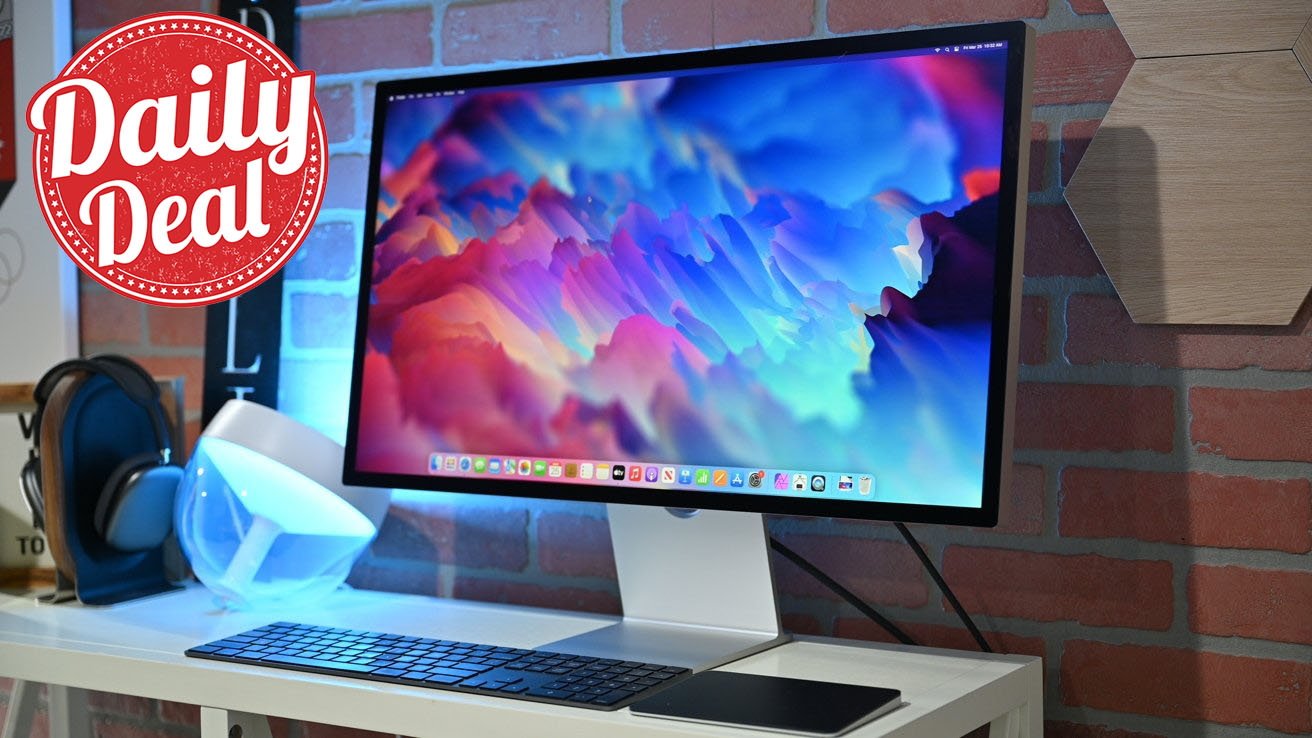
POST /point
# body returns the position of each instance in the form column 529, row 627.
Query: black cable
column 943, row 587
column 841, row 591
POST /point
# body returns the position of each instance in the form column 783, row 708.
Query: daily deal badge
column 179, row 158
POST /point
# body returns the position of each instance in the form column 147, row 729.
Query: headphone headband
column 130, row 377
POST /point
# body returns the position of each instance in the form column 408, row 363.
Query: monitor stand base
column 695, row 585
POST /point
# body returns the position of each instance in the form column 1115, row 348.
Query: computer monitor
column 775, row 279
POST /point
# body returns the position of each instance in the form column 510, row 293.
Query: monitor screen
column 773, row 278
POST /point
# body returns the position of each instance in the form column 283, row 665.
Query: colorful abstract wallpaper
column 785, row 267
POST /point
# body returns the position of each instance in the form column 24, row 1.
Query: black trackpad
column 770, row 703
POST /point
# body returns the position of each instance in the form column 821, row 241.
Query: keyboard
column 517, row 673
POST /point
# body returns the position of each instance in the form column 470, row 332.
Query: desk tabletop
column 137, row 648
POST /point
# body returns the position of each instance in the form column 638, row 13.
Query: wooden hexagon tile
column 1196, row 192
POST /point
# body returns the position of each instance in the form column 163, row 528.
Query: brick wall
column 1153, row 548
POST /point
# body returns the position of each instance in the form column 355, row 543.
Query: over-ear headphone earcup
column 135, row 509
column 29, row 481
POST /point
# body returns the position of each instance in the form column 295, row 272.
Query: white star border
column 290, row 236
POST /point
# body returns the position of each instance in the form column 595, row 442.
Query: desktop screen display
column 776, row 279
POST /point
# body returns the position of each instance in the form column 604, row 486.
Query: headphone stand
column 94, row 571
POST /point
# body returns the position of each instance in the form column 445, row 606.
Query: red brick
column 1089, row 7
column 179, row 712
column 882, row 572
column 1034, row 330
column 846, row 16
column 762, row 20
column 375, row 40
column 1254, row 603
column 120, row 704
column 1187, row 508
column 1075, row 138
column 347, row 174
column 1252, row 424
column 575, row 545
column 434, row 522
column 106, row 317
column 524, row 29
column 491, row 537
column 1080, row 66
column 170, row 326
column 337, row 103
column 1055, row 245
column 666, row 25
column 1058, row 729
column 1022, row 509
column 372, row 575
column 804, row 624
column 99, row 14
column 320, row 730
column 537, row 595
column 940, row 636
column 190, row 368
column 322, row 321
column 1191, row 685
column 1038, row 155
column 1087, row 588
column 329, row 252
column 1094, row 417
column 1099, row 329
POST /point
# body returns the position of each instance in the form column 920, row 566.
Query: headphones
column 134, row 510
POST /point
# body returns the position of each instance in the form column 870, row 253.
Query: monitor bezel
column 1009, row 248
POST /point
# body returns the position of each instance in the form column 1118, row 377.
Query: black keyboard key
column 555, row 694
column 580, row 697
column 388, row 672
column 648, row 682
column 473, row 683
column 611, row 698
column 442, row 679
column 462, row 673
column 317, row 663
column 513, row 688
column 205, row 649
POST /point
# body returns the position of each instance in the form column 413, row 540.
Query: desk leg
column 1009, row 725
column 1026, row 719
column 22, row 706
column 218, row 723
column 69, row 717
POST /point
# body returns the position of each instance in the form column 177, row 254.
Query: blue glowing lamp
column 258, row 515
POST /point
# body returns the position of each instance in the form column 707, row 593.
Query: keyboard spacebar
column 318, row 663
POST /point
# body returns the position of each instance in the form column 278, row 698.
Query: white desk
column 137, row 648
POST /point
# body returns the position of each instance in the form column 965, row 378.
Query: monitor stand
column 695, row 585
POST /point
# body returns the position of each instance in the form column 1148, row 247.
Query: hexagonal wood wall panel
column 1179, row 27
column 1196, row 192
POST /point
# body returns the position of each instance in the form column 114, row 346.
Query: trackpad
column 771, row 703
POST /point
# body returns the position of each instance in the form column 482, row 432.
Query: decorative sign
column 38, row 285
column 8, row 124
column 243, row 337
column 179, row 158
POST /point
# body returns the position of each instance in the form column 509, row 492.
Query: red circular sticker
column 179, row 158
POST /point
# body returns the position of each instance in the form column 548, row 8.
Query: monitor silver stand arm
column 695, row 586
